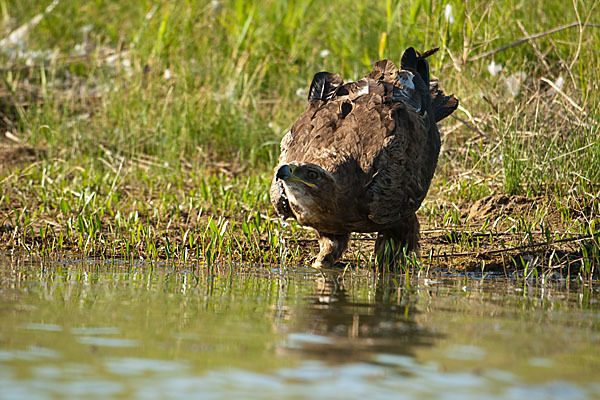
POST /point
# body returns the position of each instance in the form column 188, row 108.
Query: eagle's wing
column 298, row 140
column 327, row 133
column 404, row 167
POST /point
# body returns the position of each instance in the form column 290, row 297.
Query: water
column 75, row 330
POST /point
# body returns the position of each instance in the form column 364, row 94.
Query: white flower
column 216, row 6
column 167, row 74
column 514, row 81
column 448, row 14
column 494, row 68
column 324, row 53
column 87, row 29
column 79, row 49
column 150, row 13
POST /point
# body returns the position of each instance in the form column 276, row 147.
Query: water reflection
column 339, row 326
column 98, row 330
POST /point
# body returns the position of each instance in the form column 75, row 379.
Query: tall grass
column 167, row 78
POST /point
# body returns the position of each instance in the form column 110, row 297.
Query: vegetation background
column 150, row 129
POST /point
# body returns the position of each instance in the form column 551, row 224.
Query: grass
column 153, row 133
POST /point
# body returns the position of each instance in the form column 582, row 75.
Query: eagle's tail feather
column 441, row 104
column 415, row 61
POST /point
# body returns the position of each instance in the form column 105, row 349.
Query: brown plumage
column 361, row 157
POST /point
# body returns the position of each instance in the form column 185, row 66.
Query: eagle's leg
column 397, row 241
column 331, row 248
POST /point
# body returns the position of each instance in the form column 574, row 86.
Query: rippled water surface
column 93, row 330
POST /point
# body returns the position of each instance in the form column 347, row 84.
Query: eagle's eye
column 312, row 175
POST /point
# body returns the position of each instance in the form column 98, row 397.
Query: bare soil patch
column 12, row 155
column 501, row 204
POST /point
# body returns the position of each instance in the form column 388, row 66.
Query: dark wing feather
column 323, row 86
column 423, row 65
column 416, row 62
column 409, row 59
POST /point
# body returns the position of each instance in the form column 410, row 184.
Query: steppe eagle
column 362, row 156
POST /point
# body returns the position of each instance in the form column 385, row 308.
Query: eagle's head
column 308, row 190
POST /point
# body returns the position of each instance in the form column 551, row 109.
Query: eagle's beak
column 286, row 173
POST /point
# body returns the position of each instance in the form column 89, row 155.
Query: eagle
column 362, row 156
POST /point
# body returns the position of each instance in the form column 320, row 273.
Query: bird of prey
column 362, row 156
